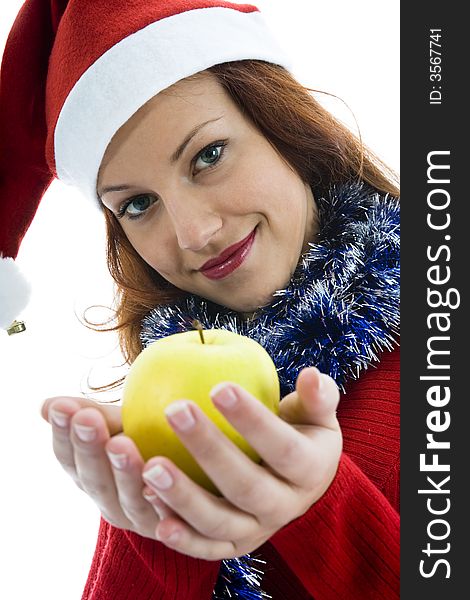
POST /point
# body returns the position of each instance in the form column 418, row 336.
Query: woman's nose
column 194, row 223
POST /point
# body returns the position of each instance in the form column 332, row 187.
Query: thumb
column 314, row 401
column 70, row 405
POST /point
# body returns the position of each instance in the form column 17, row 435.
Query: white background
column 350, row 49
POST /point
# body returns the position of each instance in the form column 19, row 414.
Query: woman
column 219, row 189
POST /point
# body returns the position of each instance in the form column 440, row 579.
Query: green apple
column 187, row 366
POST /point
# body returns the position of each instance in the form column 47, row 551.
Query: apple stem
column 197, row 325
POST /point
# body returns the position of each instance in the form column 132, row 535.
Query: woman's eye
column 209, row 156
column 136, row 207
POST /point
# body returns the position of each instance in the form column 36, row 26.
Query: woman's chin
column 248, row 306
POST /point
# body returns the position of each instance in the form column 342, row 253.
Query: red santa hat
column 74, row 72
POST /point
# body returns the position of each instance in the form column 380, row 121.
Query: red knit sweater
column 346, row 546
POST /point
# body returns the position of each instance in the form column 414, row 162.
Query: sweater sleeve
column 347, row 545
column 126, row 566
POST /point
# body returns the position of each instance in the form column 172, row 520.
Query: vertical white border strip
column 143, row 64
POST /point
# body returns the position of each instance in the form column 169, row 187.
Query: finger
column 211, row 516
column 184, row 539
column 314, row 402
column 280, row 445
column 127, row 464
column 244, row 483
column 112, row 414
column 89, row 434
column 60, row 411
column 163, row 510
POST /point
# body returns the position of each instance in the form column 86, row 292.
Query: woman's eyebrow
column 174, row 157
column 113, row 188
column 179, row 151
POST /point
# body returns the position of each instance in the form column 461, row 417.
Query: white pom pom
column 14, row 292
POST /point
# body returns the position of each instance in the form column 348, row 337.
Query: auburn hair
column 315, row 144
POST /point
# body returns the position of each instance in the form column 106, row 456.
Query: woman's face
column 205, row 199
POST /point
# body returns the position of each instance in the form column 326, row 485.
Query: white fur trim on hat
column 134, row 70
column 14, row 292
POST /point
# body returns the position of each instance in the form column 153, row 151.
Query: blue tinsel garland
column 340, row 310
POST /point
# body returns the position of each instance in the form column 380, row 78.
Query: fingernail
column 156, row 503
column 224, row 395
column 319, row 378
column 85, row 433
column 150, row 496
column 159, row 477
column 119, row 461
column 171, row 539
column 180, row 415
column 59, row 418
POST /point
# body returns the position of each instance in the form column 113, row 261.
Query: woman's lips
column 229, row 260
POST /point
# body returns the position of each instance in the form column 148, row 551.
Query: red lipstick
column 228, row 260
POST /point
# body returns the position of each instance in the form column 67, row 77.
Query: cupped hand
column 300, row 453
column 87, row 440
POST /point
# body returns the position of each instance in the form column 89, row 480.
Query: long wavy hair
column 315, row 144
